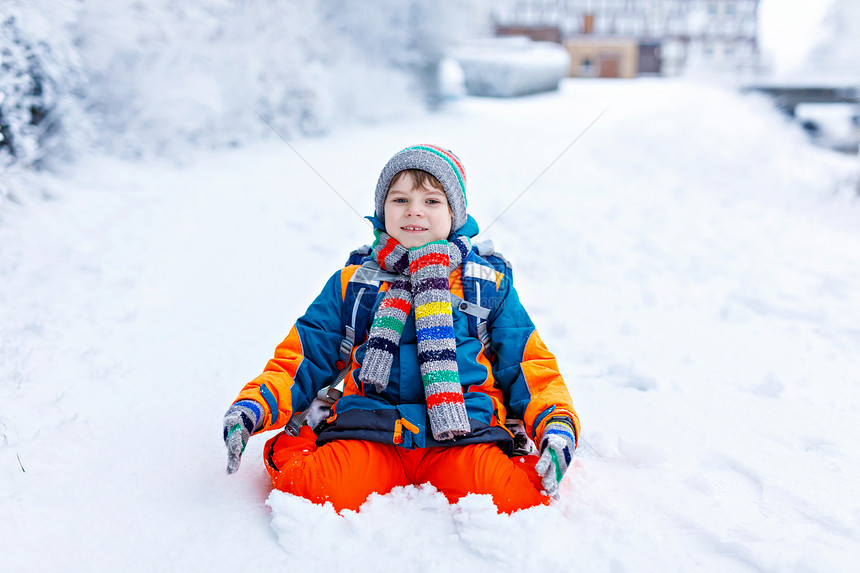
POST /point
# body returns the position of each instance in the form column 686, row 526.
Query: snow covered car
column 511, row 66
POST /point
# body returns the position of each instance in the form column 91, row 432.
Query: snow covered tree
column 41, row 86
column 25, row 96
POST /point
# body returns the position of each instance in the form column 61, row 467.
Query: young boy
column 428, row 385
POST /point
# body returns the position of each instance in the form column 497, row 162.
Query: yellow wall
column 626, row 52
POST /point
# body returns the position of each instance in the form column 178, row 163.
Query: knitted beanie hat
column 441, row 163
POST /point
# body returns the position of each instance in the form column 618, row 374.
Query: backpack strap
column 478, row 312
column 470, row 308
column 357, row 256
column 363, row 283
column 487, row 251
column 370, row 273
column 484, row 248
column 480, row 278
column 475, row 270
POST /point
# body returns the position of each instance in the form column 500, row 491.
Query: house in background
column 625, row 38
column 603, row 57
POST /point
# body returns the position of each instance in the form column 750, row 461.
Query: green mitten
column 556, row 448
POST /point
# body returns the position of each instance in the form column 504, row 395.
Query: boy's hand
column 240, row 421
column 556, row 453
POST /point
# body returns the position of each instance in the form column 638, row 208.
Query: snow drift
column 693, row 262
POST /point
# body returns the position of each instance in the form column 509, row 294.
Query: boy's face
column 415, row 216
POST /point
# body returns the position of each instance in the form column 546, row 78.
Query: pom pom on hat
column 439, row 162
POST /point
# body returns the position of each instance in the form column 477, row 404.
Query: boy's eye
column 433, row 201
column 398, row 200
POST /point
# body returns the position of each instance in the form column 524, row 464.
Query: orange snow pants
column 345, row 472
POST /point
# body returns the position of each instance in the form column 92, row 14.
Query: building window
column 712, row 8
column 586, row 69
column 730, row 9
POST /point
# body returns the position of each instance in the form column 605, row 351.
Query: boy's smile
column 415, row 216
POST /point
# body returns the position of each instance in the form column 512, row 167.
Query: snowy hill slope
column 692, row 261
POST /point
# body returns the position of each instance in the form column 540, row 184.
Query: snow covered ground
column 691, row 259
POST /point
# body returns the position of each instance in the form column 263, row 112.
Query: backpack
column 359, row 300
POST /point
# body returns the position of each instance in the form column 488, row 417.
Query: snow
column 692, row 260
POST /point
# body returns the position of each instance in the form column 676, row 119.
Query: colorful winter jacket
column 515, row 375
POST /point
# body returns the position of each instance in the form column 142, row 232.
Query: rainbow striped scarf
column 424, row 284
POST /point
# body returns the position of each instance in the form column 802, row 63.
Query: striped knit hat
column 441, row 163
